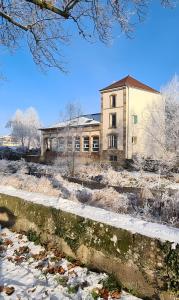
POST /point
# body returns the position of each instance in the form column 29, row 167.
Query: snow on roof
column 122, row 221
column 79, row 121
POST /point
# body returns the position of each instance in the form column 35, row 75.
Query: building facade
column 9, row 141
column 124, row 128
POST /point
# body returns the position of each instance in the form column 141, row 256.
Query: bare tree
column 70, row 131
column 44, row 23
column 25, row 127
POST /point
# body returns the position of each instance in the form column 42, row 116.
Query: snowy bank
column 135, row 225
column 143, row 256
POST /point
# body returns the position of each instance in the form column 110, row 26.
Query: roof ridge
column 130, row 81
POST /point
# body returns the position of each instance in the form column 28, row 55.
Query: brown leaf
column 8, row 242
column 40, row 256
column 19, row 259
column 104, row 293
column 9, row 290
column 116, row 294
column 10, row 258
column 57, row 269
column 23, row 250
column 50, row 270
column 60, row 270
column 57, row 253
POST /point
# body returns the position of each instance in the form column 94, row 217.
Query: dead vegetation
column 159, row 207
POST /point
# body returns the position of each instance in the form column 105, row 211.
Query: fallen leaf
column 104, row 293
column 116, row 294
column 60, row 270
column 19, row 259
column 9, row 290
column 8, row 242
column 23, row 250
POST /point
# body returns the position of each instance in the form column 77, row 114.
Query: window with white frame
column 86, row 143
column 61, row 144
column 95, row 143
column 112, row 141
column 77, row 143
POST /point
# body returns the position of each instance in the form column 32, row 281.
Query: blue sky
column 152, row 56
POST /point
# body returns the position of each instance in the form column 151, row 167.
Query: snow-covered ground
column 28, row 271
column 124, row 221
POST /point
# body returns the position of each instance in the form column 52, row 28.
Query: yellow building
column 125, row 127
column 8, row 141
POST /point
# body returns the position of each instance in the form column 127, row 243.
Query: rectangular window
column 135, row 119
column 77, row 143
column 112, row 120
column 54, row 144
column 69, row 143
column 61, row 144
column 113, row 101
column 86, row 143
column 95, row 143
column 113, row 158
column 134, row 140
column 112, row 141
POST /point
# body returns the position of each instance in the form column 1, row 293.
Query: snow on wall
column 134, row 225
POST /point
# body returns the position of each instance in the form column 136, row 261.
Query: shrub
column 84, row 196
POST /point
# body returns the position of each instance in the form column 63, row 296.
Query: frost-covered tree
column 170, row 94
column 162, row 126
column 24, row 126
column 33, row 124
column 45, row 24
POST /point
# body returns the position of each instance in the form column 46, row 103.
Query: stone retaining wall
column 145, row 266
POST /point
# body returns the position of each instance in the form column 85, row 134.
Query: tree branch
column 9, row 19
column 47, row 5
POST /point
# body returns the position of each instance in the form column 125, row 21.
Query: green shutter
column 135, row 119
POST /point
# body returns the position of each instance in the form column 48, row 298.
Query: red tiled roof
column 132, row 82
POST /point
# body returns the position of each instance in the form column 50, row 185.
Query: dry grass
column 164, row 209
column 30, row 184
